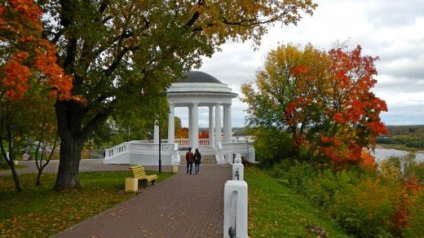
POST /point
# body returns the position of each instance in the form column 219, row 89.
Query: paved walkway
column 181, row 206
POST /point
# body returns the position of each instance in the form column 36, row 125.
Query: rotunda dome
column 197, row 77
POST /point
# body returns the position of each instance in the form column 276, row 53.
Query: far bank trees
column 316, row 105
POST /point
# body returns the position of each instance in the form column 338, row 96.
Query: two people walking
column 193, row 158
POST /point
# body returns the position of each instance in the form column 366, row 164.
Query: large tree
column 124, row 54
column 27, row 66
column 323, row 100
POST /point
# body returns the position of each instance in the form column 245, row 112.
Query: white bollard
column 237, row 160
column 235, row 208
column 238, row 171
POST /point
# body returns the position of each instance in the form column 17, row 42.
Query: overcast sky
column 390, row 29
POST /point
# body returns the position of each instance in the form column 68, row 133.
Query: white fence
column 147, row 153
column 226, row 151
column 141, row 152
column 235, row 203
column 186, row 142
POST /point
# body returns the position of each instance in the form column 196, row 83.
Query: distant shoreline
column 399, row 147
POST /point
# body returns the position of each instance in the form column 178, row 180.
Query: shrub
column 4, row 165
column 295, row 175
column 367, row 209
column 272, row 146
column 415, row 220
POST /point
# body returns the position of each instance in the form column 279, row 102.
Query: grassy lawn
column 276, row 211
column 41, row 212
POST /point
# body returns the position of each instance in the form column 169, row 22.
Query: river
column 381, row 154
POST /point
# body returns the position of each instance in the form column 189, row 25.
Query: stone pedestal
column 131, row 185
column 175, row 169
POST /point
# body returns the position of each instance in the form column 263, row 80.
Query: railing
column 182, row 141
column 143, row 147
column 142, row 152
column 186, row 142
column 226, row 151
column 115, row 150
column 235, row 203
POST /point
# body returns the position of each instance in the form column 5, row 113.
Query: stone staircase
column 206, row 159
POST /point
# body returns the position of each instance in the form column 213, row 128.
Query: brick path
column 181, row 206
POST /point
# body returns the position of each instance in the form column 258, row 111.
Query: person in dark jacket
column 197, row 161
column 189, row 160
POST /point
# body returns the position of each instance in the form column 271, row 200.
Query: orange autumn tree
column 204, row 135
column 182, row 133
column 28, row 65
column 26, row 54
column 354, row 114
column 322, row 100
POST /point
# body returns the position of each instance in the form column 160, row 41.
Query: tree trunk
column 15, row 176
column 69, row 119
column 9, row 159
column 70, row 156
column 38, row 180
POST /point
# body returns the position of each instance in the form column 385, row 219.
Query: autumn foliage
column 27, row 54
column 322, row 99
column 182, row 133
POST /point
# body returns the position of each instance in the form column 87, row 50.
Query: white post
column 235, row 208
column 238, row 159
column 171, row 125
column 238, row 171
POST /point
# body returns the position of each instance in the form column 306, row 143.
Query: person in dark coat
column 189, row 160
column 197, row 161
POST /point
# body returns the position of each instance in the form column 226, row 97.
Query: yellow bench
column 140, row 174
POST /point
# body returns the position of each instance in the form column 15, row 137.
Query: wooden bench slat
column 139, row 173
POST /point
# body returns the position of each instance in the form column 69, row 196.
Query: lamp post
column 160, row 145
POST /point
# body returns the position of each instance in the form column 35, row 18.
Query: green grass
column 276, row 211
column 41, row 212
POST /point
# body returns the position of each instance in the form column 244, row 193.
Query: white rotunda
column 198, row 89
column 195, row 89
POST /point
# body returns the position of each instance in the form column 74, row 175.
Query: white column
column 171, row 124
column 211, row 127
column 195, row 126
column 190, row 125
column 217, row 124
column 227, row 123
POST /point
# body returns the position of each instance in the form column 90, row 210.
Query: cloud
column 391, row 30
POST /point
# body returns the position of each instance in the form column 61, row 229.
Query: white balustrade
column 227, row 151
column 135, row 151
column 182, row 141
column 186, row 142
column 140, row 152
